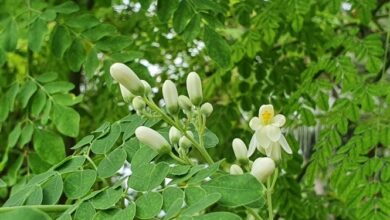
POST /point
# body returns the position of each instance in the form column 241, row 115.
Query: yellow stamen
column 266, row 116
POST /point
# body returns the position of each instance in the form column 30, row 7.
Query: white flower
column 126, row 94
column 174, row 135
column 262, row 168
column 206, row 109
column 126, row 77
column 148, row 89
column 184, row 142
column 194, row 88
column 239, row 149
column 153, row 139
column 235, row 170
column 138, row 103
column 268, row 137
column 170, row 96
column 185, row 103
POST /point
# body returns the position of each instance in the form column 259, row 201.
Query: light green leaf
column 52, row 190
column 36, row 196
column 25, row 214
column 66, row 8
column 170, row 195
column 74, row 163
column 148, row 176
column 82, row 21
column 27, row 90
column 84, row 141
column 47, row 77
column 236, row 190
column 10, row 37
column 67, row 120
column 36, row 34
column 107, row 198
column 112, row 163
column 100, row 31
column 218, row 216
column 143, row 156
column 58, row 86
column 36, row 163
column 91, row 63
column 49, row 146
column 202, row 174
column 78, row 183
column 149, row 205
column 203, row 203
column 126, row 214
column 104, row 144
column 217, row 47
column 85, row 211
column 194, row 194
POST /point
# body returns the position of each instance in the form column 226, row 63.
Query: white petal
column 285, row 145
column 266, row 108
column 252, row 146
column 254, row 123
column 273, row 132
column 276, row 153
column 268, row 150
column 279, row 120
column 262, row 138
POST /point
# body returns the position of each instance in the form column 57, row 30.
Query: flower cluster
column 138, row 93
column 267, row 138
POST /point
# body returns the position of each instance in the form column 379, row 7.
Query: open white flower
column 268, row 137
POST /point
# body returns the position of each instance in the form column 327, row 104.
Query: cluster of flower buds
column 137, row 92
column 268, row 139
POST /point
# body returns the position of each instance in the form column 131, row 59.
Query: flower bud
column 126, row 94
column 240, row 150
column 262, row 168
column 236, row 170
column 126, row 77
column 206, row 109
column 170, row 96
column 194, row 88
column 184, row 142
column 153, row 139
column 185, row 103
column 138, row 103
column 147, row 88
column 174, row 135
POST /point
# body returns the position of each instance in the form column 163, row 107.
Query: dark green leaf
column 217, row 47
column 67, row 120
column 36, row 34
column 78, row 183
column 49, row 146
column 149, row 205
column 112, row 163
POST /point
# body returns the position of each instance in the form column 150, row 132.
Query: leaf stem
column 254, row 214
column 270, row 187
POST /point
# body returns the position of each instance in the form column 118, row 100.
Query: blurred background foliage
column 322, row 63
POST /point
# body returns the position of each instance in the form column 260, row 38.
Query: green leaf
column 100, row 31
column 192, row 30
column 202, row 174
column 91, row 63
column 82, row 21
column 236, row 190
column 67, row 99
column 78, row 183
column 71, row 164
column 66, row 8
column 165, row 9
column 27, row 90
column 148, row 176
column 58, row 86
column 11, row 95
column 84, row 141
column 60, row 41
column 67, row 120
column 218, row 216
column 143, row 156
column 10, row 36
column 194, row 194
column 25, row 214
column 113, row 43
column 36, row 163
column 49, row 146
column 14, row 136
column 38, row 103
column 203, row 203
column 47, row 77
column 26, row 134
column 179, row 169
column 36, row 196
column 182, row 16
column 107, row 198
column 85, row 211
column 126, row 214
column 170, row 195
column 52, row 190
column 307, row 117
column 36, row 34
column 112, row 163
column 218, row 49
column 104, row 144
column 149, row 205
column 75, row 56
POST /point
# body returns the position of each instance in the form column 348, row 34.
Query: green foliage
column 324, row 64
